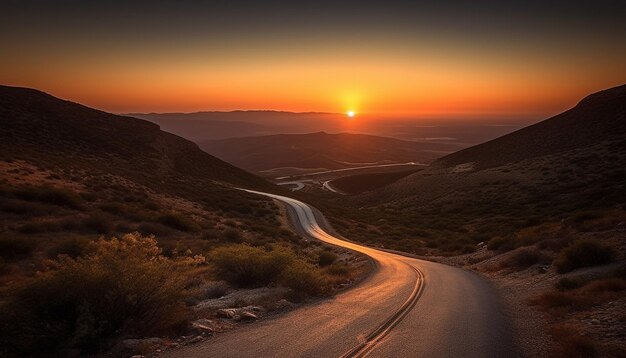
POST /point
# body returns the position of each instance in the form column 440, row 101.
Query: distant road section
column 349, row 169
column 406, row 308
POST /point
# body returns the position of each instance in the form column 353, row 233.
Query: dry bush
column 583, row 253
column 587, row 295
column 326, row 258
column 124, row 288
column 14, row 248
column 97, row 222
column 499, row 243
column 247, row 266
column 525, row 258
column 72, row 246
column 178, row 222
column 49, row 195
column 22, row 207
column 570, row 343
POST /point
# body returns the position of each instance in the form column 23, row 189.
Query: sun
column 350, row 114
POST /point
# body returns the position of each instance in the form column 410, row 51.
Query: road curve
column 405, row 308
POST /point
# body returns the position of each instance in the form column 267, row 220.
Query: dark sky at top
column 66, row 36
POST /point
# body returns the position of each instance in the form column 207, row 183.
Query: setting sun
column 350, row 114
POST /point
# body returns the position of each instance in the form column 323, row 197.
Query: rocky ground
column 599, row 326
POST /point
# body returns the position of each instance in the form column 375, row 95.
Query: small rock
column 227, row 312
column 204, row 324
column 196, row 339
column 248, row 316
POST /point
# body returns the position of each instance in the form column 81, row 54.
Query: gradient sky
column 427, row 59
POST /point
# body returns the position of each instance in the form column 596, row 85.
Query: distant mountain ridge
column 209, row 125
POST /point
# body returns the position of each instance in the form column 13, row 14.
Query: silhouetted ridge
column 598, row 117
column 39, row 127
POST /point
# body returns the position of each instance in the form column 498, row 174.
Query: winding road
column 406, row 308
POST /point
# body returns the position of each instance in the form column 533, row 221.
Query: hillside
column 600, row 117
column 98, row 209
column 571, row 177
column 320, row 151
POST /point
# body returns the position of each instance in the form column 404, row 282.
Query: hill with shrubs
column 99, row 210
column 542, row 211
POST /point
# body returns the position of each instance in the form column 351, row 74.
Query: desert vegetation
column 67, row 258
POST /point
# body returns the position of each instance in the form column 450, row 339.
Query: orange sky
column 379, row 73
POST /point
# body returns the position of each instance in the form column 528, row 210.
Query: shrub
column 210, row 234
column 149, row 228
column 50, row 195
column 21, row 207
column 338, row 269
column 497, row 243
column 570, row 283
column 113, row 208
column 326, row 258
column 233, row 235
column 12, row 248
column 73, row 247
column 571, row 343
column 178, row 222
column 525, row 258
column 97, row 222
column 303, row 278
column 124, row 288
column 37, row 227
column 583, row 253
column 250, row 266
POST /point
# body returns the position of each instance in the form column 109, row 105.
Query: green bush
column 124, row 288
column 583, row 253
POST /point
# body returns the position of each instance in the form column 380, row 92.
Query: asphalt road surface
column 405, row 308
